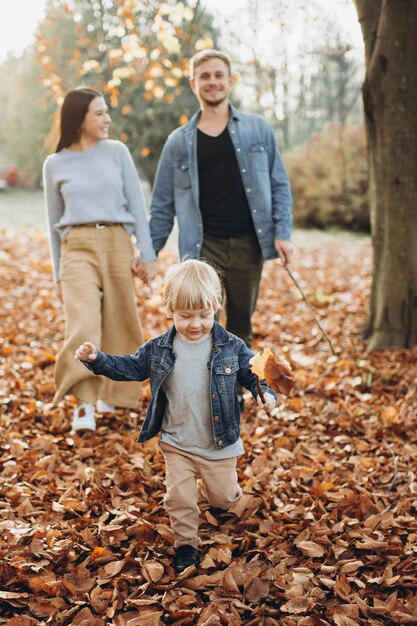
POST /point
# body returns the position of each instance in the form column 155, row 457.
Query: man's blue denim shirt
column 229, row 364
column 265, row 181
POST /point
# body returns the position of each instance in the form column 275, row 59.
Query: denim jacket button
column 227, row 370
column 220, row 443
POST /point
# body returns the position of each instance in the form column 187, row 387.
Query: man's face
column 212, row 82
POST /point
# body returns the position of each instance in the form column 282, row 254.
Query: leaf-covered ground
column 327, row 530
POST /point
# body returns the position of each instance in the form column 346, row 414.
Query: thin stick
column 262, row 396
column 310, row 307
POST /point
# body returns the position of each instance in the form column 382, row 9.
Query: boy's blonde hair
column 192, row 285
column 206, row 55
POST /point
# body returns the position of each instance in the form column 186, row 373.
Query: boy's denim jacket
column 265, row 181
column 229, row 363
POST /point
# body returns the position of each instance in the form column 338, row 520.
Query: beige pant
column 99, row 301
column 182, row 469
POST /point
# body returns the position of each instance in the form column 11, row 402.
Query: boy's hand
column 270, row 402
column 86, row 352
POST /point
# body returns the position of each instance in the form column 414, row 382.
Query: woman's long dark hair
column 73, row 112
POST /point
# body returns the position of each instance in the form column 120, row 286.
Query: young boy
column 193, row 370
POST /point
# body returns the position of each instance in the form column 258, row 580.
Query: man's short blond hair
column 206, row 55
column 192, row 285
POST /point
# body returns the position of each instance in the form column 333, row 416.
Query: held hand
column 86, row 352
column 58, row 289
column 144, row 271
column 284, row 249
column 270, row 402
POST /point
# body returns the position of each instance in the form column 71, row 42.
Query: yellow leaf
column 98, row 552
column 366, row 463
column 390, row 416
column 327, row 486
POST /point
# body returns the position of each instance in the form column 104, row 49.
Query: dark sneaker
column 184, row 557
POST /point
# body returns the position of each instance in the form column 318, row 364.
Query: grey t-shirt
column 187, row 422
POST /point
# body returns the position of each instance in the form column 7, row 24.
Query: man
column 221, row 175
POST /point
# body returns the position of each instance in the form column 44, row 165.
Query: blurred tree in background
column 24, row 114
column 296, row 70
column 135, row 53
column 329, row 179
column 303, row 76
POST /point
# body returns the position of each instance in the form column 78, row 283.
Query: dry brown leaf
column 229, row 582
column 86, row 618
column 350, row 567
column 145, row 617
column 342, row 588
column 296, row 606
column 152, row 571
column 311, row 548
column 257, row 590
column 275, row 370
column 22, row 621
column 336, row 468
column 344, row 620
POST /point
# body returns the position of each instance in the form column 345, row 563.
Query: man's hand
column 284, row 249
column 270, row 402
column 86, row 352
column 144, row 271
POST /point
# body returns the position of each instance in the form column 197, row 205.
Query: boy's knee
column 225, row 501
column 178, row 499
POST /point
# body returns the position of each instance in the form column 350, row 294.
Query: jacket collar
column 192, row 124
column 220, row 337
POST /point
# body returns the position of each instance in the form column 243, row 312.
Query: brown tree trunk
column 389, row 29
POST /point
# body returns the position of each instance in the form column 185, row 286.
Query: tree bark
column 389, row 29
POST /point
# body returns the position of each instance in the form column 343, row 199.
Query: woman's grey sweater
column 96, row 185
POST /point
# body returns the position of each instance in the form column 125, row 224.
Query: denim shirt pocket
column 225, row 372
column 158, row 370
column 258, row 155
column 182, row 175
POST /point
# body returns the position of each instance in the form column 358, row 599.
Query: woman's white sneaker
column 83, row 417
column 103, row 407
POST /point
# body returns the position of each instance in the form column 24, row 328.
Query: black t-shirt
column 223, row 202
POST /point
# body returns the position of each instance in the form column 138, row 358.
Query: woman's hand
column 144, row 271
column 58, row 289
column 86, row 352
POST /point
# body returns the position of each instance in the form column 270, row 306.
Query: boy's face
column 193, row 324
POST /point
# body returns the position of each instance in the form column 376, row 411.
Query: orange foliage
column 329, row 179
column 326, row 529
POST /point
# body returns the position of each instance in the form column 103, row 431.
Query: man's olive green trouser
column 239, row 263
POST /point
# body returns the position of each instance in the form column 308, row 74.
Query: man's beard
column 214, row 103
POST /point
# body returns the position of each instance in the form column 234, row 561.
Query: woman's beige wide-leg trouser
column 99, row 301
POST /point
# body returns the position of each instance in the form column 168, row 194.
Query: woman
column 95, row 203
